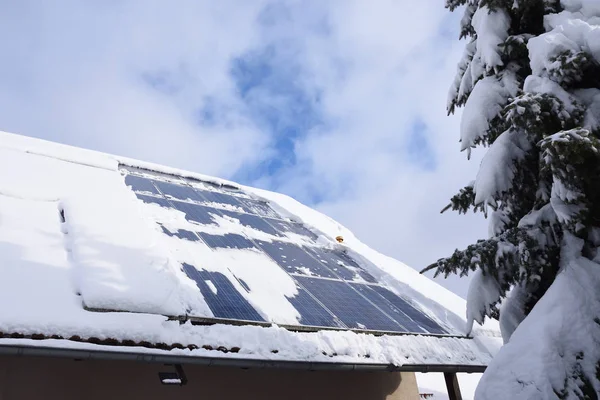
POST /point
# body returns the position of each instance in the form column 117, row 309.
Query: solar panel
column 227, row 241
column 196, row 213
column 344, row 266
column 219, row 198
column 407, row 324
column 179, row 192
column 181, row 234
column 140, row 184
column 284, row 227
column 333, row 289
column 257, row 207
column 421, row 319
column 311, row 312
column 349, row 306
column 221, row 296
column 294, row 259
column 154, row 200
column 252, row 221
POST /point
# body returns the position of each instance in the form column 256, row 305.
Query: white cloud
column 74, row 73
column 379, row 70
column 132, row 77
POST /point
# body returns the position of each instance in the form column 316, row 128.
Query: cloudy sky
column 338, row 103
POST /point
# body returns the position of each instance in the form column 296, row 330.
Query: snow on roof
column 74, row 238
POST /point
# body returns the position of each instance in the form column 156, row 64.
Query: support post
column 452, row 386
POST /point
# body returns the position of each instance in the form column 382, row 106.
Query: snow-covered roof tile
column 102, row 250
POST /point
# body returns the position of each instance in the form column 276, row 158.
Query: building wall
column 58, row 378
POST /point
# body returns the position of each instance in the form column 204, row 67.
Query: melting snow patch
column 212, row 286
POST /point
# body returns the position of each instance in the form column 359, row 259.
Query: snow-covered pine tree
column 529, row 82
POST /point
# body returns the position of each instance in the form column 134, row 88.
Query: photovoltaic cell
column 154, row 200
column 349, row 306
column 178, row 191
column 227, row 302
column 227, row 241
column 393, row 311
column 140, row 184
column 294, row 259
column 421, row 319
column 311, row 312
column 218, row 197
column 252, row 221
column 181, row 234
column 257, row 207
column 196, row 213
column 342, row 264
column 283, row 227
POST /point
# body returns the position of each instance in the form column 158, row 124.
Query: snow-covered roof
column 87, row 263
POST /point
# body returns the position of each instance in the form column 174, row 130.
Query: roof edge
column 93, row 354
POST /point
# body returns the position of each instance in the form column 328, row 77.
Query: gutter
column 87, row 354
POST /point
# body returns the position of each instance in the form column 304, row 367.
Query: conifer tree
column 529, row 85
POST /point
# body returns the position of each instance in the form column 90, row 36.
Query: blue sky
column 292, row 112
column 339, row 104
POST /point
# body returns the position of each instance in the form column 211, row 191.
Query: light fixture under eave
column 173, row 378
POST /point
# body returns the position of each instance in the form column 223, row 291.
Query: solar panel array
column 333, row 289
